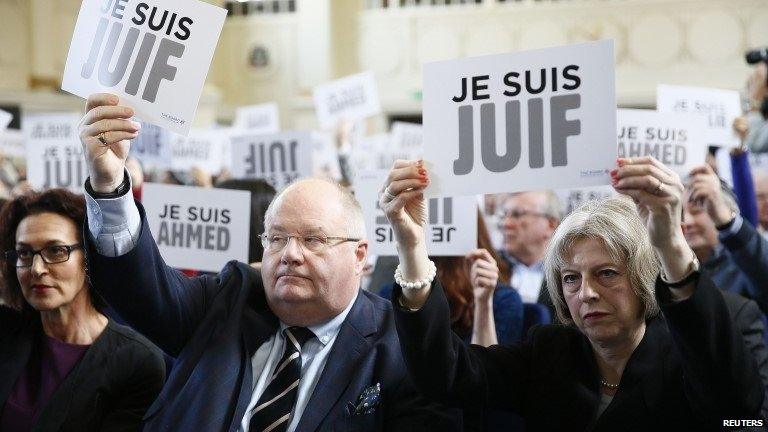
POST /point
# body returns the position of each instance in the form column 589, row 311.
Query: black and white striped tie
column 272, row 412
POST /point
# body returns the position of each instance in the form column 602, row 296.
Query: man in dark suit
column 298, row 347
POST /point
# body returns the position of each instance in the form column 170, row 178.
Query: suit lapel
column 347, row 352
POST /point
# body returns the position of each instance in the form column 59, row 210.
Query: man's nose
column 293, row 252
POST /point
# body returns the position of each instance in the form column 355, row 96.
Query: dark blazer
column 109, row 389
column 507, row 313
column 690, row 371
column 741, row 266
column 747, row 317
column 214, row 324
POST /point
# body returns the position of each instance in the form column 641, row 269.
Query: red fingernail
column 614, row 181
column 424, row 180
column 423, row 172
column 614, row 173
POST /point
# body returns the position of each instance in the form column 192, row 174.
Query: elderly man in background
column 527, row 221
column 298, row 347
column 728, row 246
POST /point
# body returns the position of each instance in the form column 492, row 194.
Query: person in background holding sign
column 735, row 256
column 299, row 347
column 483, row 310
column 528, row 220
column 633, row 354
column 65, row 366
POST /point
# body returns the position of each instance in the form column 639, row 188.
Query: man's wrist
column 110, row 191
column 723, row 217
column 107, row 187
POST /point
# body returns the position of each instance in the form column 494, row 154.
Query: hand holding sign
column 705, row 190
column 483, row 274
column 657, row 192
column 105, row 132
column 403, row 201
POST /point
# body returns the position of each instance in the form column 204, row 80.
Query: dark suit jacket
column 109, row 389
column 214, row 324
column 747, row 317
column 741, row 266
column 690, row 371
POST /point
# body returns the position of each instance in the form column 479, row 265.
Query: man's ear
column 361, row 255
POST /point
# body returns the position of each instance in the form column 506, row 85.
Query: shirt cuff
column 113, row 223
column 734, row 228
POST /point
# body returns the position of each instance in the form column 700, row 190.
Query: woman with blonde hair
column 645, row 341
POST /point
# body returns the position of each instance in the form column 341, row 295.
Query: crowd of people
column 643, row 311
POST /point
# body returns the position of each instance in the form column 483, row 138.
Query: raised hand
column 483, row 274
column 106, row 131
column 705, row 189
column 657, row 192
column 402, row 199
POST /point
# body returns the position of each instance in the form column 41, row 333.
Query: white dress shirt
column 314, row 354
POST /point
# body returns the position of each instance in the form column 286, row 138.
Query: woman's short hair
column 57, row 201
column 615, row 222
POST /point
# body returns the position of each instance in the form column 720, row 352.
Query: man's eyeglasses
column 50, row 254
column 314, row 243
column 519, row 214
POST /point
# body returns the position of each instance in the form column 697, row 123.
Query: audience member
column 297, row 347
column 484, row 310
column 728, row 247
column 647, row 341
column 528, row 220
column 262, row 193
column 66, row 366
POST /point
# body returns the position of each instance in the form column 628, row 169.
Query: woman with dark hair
column 261, row 195
column 483, row 311
column 64, row 365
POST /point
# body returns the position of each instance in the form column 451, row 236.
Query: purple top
column 37, row 382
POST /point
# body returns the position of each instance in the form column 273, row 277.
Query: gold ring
column 659, row 188
column 102, row 138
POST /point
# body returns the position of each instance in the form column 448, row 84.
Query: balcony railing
column 259, row 7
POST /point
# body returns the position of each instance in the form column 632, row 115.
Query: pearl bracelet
column 417, row 284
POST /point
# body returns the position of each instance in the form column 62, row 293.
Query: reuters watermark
column 743, row 423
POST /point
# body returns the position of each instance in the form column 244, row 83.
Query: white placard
column 5, row 120
column 325, row 157
column 677, row 140
column 407, row 137
column 153, row 54
column 203, row 148
column 758, row 162
column 12, row 144
column 351, row 98
column 153, row 146
column 279, row 159
column 54, row 152
column 262, row 118
column 720, row 107
column 198, row 228
column 451, row 228
column 523, row 121
column 574, row 198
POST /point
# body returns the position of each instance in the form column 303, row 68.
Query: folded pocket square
column 367, row 402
